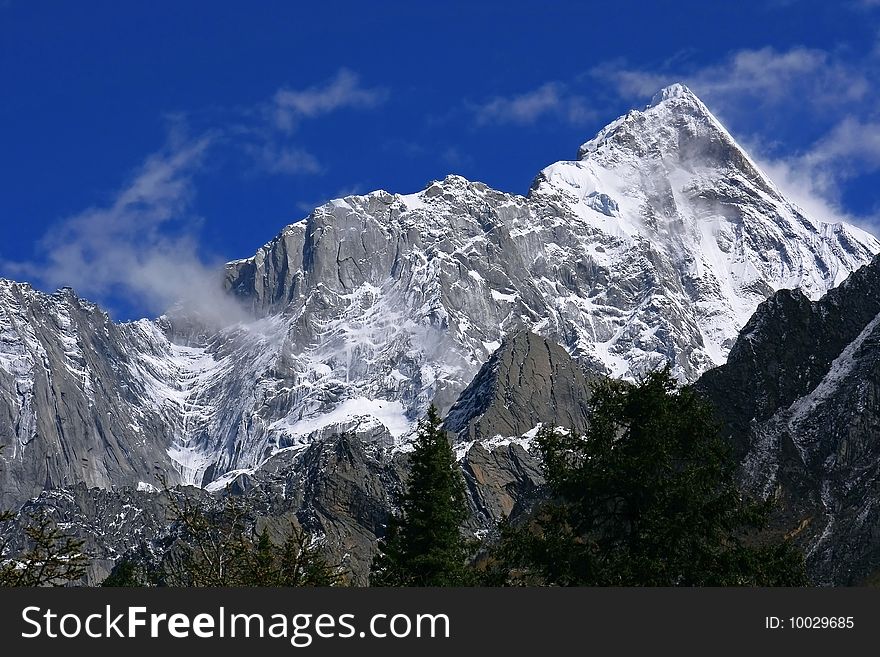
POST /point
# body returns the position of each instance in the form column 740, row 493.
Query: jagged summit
column 675, row 126
column 676, row 90
column 674, row 176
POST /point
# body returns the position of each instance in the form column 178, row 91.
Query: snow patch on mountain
column 351, row 412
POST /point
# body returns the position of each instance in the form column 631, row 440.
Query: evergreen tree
column 647, row 497
column 424, row 545
column 132, row 571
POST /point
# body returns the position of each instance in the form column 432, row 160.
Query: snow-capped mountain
column 654, row 246
column 677, row 201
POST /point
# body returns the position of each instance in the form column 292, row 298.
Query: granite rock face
column 341, row 489
column 504, row 481
column 800, row 400
column 72, row 408
column 528, row 381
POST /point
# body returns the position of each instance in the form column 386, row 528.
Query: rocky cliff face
column 85, row 400
column 800, row 400
column 526, row 382
column 72, row 407
column 341, row 489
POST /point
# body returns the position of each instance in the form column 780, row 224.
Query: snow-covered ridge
column 841, row 368
column 656, row 245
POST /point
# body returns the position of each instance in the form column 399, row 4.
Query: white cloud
column 275, row 158
column 853, row 145
column 289, row 106
column 810, row 190
column 268, row 136
column 142, row 244
column 815, row 178
column 799, row 186
column 550, row 99
column 746, row 80
column 456, row 158
column 752, row 77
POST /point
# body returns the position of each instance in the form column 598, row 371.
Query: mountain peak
column 677, row 90
column 675, row 114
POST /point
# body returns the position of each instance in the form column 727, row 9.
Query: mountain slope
column 654, row 246
column 800, row 400
column 70, row 408
column 706, row 235
column 340, row 489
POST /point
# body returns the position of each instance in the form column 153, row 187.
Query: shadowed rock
column 527, row 381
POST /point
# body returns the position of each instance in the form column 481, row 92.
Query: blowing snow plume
column 141, row 245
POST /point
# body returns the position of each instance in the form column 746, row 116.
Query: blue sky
column 141, row 144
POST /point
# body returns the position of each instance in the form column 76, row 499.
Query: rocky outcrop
column 504, row 481
column 528, row 381
column 338, row 491
column 800, row 400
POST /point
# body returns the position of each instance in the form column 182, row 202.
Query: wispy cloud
column 552, row 99
column 815, row 179
column 142, row 244
column 763, row 76
column 852, row 146
column 268, row 132
column 272, row 157
column 456, row 158
column 290, row 106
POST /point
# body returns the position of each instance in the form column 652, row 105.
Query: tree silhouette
column 424, row 545
column 647, row 497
